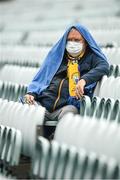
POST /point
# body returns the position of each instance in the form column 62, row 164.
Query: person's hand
column 29, row 99
column 80, row 88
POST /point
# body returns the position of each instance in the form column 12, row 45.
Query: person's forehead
column 74, row 32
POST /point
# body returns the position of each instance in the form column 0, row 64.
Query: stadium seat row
column 109, row 109
column 23, row 55
column 17, row 74
column 100, row 108
column 101, row 137
column 52, row 24
column 60, row 161
column 10, row 73
column 48, row 38
column 34, row 56
column 12, row 91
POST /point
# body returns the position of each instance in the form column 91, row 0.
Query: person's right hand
column 29, row 99
column 80, row 88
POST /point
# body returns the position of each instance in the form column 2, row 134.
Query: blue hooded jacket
column 54, row 58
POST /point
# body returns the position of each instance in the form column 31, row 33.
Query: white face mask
column 74, row 48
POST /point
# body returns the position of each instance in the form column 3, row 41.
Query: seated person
column 55, row 86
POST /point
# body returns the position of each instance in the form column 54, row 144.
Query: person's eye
column 77, row 40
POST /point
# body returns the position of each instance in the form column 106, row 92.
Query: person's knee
column 66, row 109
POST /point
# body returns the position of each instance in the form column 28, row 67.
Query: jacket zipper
column 58, row 97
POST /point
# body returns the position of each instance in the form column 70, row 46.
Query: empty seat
column 112, row 54
column 109, row 87
column 114, row 70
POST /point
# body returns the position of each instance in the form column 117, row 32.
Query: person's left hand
column 80, row 88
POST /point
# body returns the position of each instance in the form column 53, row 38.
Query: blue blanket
column 54, row 58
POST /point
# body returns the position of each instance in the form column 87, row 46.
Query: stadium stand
column 84, row 146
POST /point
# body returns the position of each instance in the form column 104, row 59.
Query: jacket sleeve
column 99, row 67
